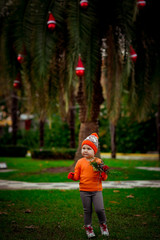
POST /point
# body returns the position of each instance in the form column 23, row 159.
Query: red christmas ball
column 17, row 81
column 51, row 22
column 133, row 54
column 141, row 3
column 84, row 3
column 80, row 68
column 16, row 84
column 51, row 26
column 20, row 58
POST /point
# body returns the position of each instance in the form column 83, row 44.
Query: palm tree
column 143, row 86
column 21, row 31
column 116, row 63
column 9, row 70
column 123, row 78
column 52, row 56
column 61, row 47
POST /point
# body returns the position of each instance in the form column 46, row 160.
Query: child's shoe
column 89, row 231
column 104, row 229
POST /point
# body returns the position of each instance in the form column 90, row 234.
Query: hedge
column 58, row 153
column 13, row 151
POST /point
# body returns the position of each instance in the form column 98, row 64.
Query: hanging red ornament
column 84, row 3
column 133, row 54
column 51, row 22
column 17, row 81
column 80, row 68
column 141, row 3
column 20, row 57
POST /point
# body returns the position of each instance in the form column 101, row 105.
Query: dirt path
column 18, row 185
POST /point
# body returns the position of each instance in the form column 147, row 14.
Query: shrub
column 13, row 151
column 57, row 153
column 58, row 135
column 131, row 136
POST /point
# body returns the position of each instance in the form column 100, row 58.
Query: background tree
column 9, row 68
column 51, row 57
column 143, row 85
column 123, row 78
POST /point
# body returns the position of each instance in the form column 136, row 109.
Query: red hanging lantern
column 17, row 81
column 20, row 57
column 80, row 68
column 84, row 3
column 133, row 54
column 51, row 22
column 141, row 3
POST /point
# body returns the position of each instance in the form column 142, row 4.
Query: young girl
column 90, row 185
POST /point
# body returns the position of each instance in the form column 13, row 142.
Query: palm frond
column 148, row 50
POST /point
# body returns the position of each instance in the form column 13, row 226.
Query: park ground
column 132, row 213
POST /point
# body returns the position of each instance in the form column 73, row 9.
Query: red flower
column 105, row 168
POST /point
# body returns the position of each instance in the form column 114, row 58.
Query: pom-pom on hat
column 92, row 141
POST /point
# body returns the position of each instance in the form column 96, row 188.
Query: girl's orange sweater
column 90, row 180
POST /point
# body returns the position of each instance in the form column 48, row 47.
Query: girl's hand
column 71, row 175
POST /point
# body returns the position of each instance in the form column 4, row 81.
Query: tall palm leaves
column 146, row 41
column 147, row 68
column 51, row 57
column 115, row 67
column 49, row 70
column 29, row 32
column 9, row 66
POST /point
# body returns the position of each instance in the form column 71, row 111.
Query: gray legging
column 97, row 199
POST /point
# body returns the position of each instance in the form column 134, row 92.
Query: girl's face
column 87, row 151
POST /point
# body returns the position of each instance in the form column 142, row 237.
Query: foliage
column 143, row 88
column 136, row 137
column 56, row 135
column 131, row 136
column 48, row 71
column 28, row 138
column 13, row 151
column 56, row 153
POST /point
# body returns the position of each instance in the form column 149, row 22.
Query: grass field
column 43, row 215
column 132, row 214
column 31, row 170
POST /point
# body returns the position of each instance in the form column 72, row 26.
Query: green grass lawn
column 31, row 170
column 42, row 215
column 132, row 214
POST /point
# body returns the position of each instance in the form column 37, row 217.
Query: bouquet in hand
column 100, row 167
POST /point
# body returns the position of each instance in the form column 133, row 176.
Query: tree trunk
column 86, row 128
column 88, row 116
column 41, row 132
column 113, row 139
column 72, row 120
column 14, row 117
column 72, row 128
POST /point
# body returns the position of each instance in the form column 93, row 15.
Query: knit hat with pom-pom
column 92, row 141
